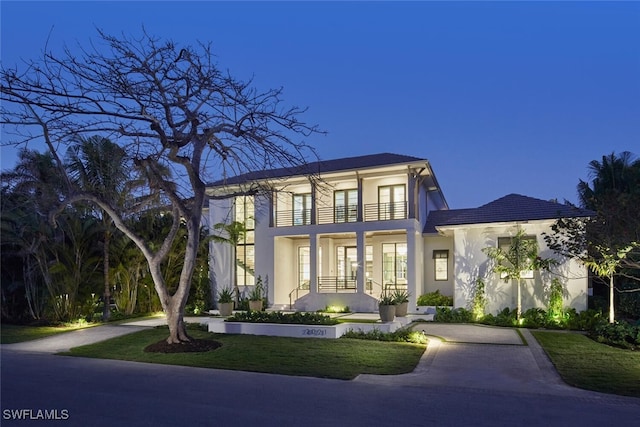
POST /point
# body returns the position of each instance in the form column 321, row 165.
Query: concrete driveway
column 483, row 357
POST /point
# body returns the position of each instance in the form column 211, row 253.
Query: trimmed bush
column 401, row 335
column 298, row 318
column 435, row 298
column 448, row 315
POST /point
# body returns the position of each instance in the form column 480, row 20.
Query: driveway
column 483, row 358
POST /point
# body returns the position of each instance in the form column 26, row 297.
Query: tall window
column 302, row 209
column 347, row 261
column 394, row 263
column 392, row 202
column 345, row 205
column 245, row 250
column 304, row 267
column 441, row 264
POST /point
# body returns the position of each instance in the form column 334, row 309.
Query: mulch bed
column 193, row 346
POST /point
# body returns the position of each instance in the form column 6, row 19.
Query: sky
column 500, row 97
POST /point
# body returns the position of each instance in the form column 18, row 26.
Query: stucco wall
column 471, row 263
column 431, row 243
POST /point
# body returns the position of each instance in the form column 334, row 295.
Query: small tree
column 513, row 263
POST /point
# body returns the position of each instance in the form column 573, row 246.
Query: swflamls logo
column 35, row 414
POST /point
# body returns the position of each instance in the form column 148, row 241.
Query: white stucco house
column 336, row 232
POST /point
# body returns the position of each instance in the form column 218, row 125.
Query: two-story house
column 338, row 232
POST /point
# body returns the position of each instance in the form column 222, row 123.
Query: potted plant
column 255, row 296
column 401, row 298
column 225, row 302
column 387, row 308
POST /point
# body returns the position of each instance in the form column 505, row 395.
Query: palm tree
column 235, row 232
column 97, row 165
column 29, row 193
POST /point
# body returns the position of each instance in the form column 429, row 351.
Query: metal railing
column 293, row 217
column 385, row 211
column 342, row 214
column 303, row 287
column 337, row 214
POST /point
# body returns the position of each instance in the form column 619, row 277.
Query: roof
column 322, row 166
column 510, row 208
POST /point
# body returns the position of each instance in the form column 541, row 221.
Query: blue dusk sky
column 501, row 97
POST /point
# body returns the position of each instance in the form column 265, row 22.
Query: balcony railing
column 341, row 214
column 385, row 211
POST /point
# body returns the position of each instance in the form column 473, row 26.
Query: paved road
column 456, row 383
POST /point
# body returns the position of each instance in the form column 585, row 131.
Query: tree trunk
column 612, row 317
column 175, row 321
column 519, row 302
column 106, row 311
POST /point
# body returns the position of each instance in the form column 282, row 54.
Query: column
column 360, row 276
column 313, row 263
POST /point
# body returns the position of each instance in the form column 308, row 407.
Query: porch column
column 414, row 265
column 313, row 203
column 411, row 194
column 313, row 263
column 360, row 275
column 360, row 209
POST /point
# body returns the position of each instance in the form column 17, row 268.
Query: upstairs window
column 345, row 204
column 392, row 202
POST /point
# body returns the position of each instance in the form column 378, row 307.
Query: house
column 340, row 232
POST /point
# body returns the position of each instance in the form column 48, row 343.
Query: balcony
column 342, row 214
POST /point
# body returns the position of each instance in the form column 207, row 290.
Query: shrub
column 448, row 315
column 479, row 301
column 298, row 318
column 435, row 298
column 401, row 335
column 554, row 306
column 534, row 318
column 620, row 334
column 586, row 320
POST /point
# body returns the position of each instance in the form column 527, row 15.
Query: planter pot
column 387, row 312
column 401, row 309
column 255, row 305
column 225, row 308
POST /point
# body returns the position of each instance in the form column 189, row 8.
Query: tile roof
column 322, row 166
column 510, row 208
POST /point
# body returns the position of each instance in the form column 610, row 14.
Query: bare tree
column 168, row 107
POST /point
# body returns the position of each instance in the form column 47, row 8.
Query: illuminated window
column 245, row 249
column 392, row 202
column 394, row 263
column 441, row 264
column 345, row 205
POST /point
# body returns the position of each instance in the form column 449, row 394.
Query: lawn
column 325, row 358
column 587, row 364
column 19, row 333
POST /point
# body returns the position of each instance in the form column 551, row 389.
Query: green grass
column 325, row 358
column 587, row 364
column 18, row 333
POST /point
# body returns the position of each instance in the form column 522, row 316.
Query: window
column 245, row 249
column 394, row 263
column 304, row 267
column 392, row 202
column 347, row 262
column 345, row 204
column 504, row 243
column 302, row 209
column 441, row 264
